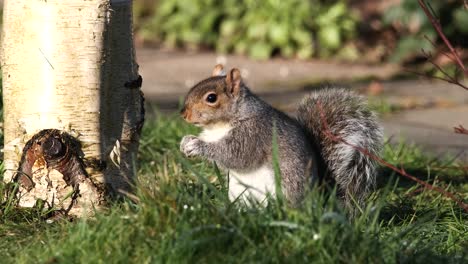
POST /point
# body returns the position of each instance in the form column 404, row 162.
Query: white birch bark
column 65, row 66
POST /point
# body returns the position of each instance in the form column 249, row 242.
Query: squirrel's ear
column 233, row 81
column 218, row 70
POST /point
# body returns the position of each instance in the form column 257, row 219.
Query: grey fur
column 301, row 142
column 248, row 145
column 347, row 117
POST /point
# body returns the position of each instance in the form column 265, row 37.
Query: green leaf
column 166, row 8
column 461, row 20
column 332, row 15
column 329, row 37
column 207, row 22
column 305, row 52
column 302, row 37
column 257, row 31
column 241, row 47
column 228, row 27
column 278, row 34
column 260, row 50
column 408, row 46
column 191, row 36
column 287, row 51
column 349, row 53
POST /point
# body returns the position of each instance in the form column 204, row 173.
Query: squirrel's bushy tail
column 346, row 116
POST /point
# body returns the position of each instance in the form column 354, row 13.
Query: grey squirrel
column 238, row 135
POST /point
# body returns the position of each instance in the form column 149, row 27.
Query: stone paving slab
column 424, row 93
column 431, row 108
column 438, row 137
column 174, row 73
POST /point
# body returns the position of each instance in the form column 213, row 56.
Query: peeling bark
column 70, row 83
column 52, row 165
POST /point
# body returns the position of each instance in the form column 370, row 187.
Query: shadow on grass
column 182, row 215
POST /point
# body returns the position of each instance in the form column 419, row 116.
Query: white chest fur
column 215, row 132
column 252, row 185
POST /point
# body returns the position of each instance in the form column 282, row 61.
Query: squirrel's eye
column 211, row 98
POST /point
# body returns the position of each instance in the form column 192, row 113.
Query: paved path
column 431, row 108
column 170, row 73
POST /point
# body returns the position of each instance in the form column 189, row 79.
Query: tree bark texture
column 73, row 109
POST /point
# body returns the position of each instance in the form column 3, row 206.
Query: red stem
column 402, row 172
column 435, row 23
column 461, row 130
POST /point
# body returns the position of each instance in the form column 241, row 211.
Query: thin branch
column 446, row 54
column 453, row 78
column 435, row 23
column 447, row 77
column 460, row 130
column 401, row 171
column 449, row 80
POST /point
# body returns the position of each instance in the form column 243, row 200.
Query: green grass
column 382, row 106
column 183, row 216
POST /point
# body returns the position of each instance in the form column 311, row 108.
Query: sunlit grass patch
column 181, row 214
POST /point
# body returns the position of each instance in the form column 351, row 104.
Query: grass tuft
column 183, row 215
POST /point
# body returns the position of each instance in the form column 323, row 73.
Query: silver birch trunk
column 73, row 108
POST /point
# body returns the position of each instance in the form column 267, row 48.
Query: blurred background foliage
column 411, row 24
column 369, row 30
column 260, row 29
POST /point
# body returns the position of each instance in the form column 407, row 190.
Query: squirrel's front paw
column 191, row 146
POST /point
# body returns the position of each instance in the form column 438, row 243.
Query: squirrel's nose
column 185, row 113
